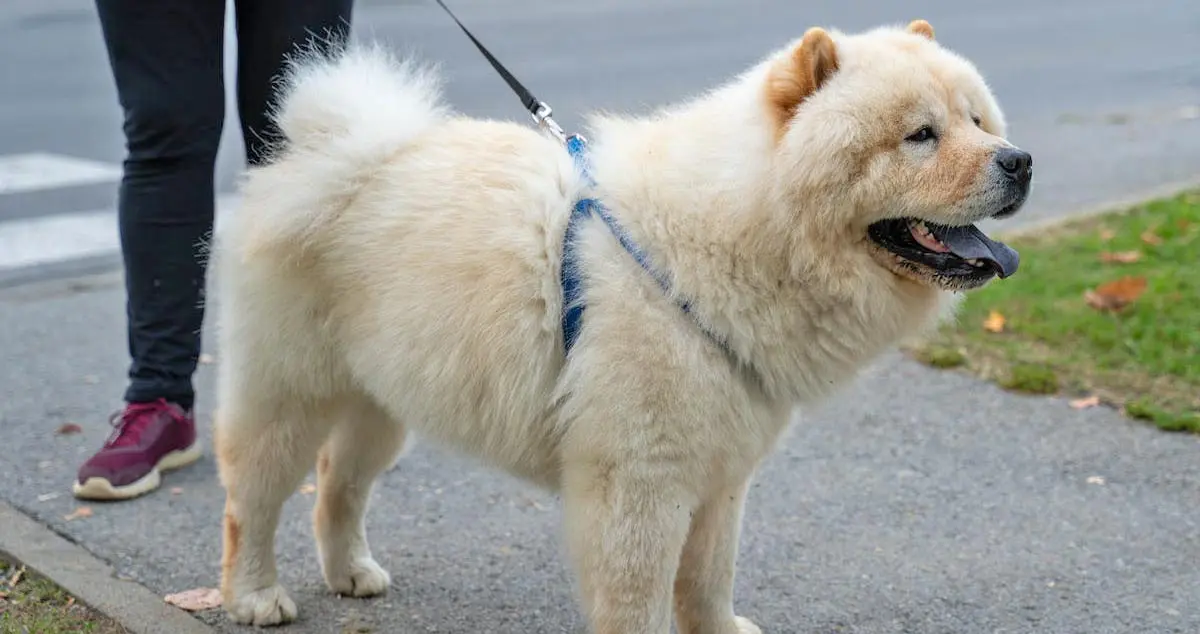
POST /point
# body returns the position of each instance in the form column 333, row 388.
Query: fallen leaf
column 70, row 601
column 46, row 497
column 176, row 490
column 83, row 511
column 1121, row 257
column 1084, row 403
column 206, row 359
column 16, row 578
column 1107, row 234
column 1151, row 238
column 66, row 429
column 196, row 599
column 308, row 488
column 994, row 322
column 1116, row 294
column 1095, row 480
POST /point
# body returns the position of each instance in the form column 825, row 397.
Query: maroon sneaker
column 148, row 438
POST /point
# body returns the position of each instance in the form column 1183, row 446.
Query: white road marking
column 63, row 237
column 34, row 171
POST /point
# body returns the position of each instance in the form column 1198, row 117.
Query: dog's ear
column 922, row 28
column 801, row 73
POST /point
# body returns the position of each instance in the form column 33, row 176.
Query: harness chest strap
column 572, row 282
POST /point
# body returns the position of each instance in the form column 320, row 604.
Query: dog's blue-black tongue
column 969, row 242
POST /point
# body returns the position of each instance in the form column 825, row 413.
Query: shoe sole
column 102, row 489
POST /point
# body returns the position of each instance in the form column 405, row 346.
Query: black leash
column 540, row 111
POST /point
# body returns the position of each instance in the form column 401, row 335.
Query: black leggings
column 166, row 58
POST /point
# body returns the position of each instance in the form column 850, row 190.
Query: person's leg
column 166, row 60
column 268, row 32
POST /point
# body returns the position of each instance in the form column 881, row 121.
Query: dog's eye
column 920, row 136
column 978, row 120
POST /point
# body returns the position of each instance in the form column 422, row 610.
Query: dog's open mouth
column 964, row 255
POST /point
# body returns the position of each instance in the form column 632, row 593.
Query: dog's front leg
column 626, row 523
column 704, row 583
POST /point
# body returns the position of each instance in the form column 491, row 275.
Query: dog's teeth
column 922, row 228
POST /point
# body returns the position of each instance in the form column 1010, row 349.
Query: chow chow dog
column 397, row 271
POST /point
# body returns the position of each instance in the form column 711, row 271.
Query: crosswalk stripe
column 57, row 238
column 35, row 171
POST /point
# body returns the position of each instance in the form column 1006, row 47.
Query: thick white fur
column 396, row 271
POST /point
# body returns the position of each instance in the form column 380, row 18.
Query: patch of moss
column 942, row 357
column 1144, row 409
column 1031, row 378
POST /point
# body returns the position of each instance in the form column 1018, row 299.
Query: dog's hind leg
column 362, row 445
column 265, row 445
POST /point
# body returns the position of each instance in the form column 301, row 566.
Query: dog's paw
column 744, row 626
column 363, row 578
column 269, row 606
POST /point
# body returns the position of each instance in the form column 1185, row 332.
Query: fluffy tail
column 341, row 114
column 356, row 103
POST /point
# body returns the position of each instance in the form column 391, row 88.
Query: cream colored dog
column 396, row 271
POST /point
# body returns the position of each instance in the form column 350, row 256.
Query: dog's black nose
column 1017, row 164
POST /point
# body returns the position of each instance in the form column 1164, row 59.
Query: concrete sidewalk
column 918, row 501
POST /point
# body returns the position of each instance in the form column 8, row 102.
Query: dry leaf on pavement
column 1086, row 402
column 83, row 511
column 66, row 429
column 195, row 599
column 994, row 322
column 1121, row 257
column 1116, row 294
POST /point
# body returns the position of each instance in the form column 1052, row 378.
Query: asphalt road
column 916, row 502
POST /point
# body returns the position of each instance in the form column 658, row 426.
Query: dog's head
column 914, row 141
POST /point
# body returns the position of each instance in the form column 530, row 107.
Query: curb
column 89, row 579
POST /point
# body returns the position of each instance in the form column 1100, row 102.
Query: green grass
column 30, row 604
column 1143, row 358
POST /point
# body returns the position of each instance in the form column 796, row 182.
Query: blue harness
column 572, row 282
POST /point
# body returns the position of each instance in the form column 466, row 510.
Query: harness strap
column 572, row 284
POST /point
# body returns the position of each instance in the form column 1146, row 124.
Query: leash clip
column 541, row 116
